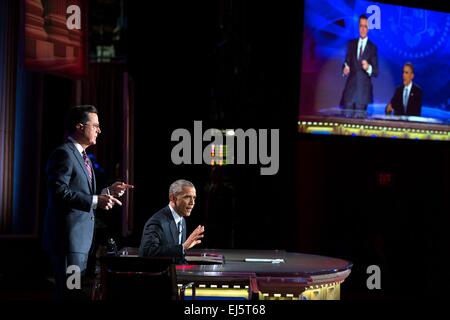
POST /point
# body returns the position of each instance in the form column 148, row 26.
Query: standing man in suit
column 72, row 199
column 360, row 66
column 165, row 232
column 407, row 99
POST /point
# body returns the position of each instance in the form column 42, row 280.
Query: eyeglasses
column 96, row 126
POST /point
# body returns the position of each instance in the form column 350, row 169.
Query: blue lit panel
column 401, row 34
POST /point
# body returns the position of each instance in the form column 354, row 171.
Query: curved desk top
column 270, row 273
column 261, row 263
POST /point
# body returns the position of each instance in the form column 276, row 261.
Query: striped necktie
column 87, row 165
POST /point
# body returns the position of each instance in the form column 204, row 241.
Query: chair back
column 138, row 278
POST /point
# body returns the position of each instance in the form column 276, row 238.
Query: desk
column 298, row 276
column 377, row 126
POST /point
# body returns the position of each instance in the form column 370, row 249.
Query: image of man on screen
column 361, row 64
column 407, row 99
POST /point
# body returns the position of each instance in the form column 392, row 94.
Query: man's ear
column 79, row 126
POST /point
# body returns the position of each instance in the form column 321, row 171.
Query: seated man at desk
column 165, row 232
column 407, row 99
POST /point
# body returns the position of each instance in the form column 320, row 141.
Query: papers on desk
column 204, row 259
column 264, row 260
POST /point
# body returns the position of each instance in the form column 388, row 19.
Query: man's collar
column 409, row 86
column 77, row 145
column 175, row 215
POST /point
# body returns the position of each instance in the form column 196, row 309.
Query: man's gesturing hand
column 107, row 202
column 346, row 70
column 365, row 65
column 118, row 188
column 194, row 237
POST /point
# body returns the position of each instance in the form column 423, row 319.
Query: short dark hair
column 363, row 16
column 409, row 64
column 78, row 114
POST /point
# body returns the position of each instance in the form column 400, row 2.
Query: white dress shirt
column 406, row 94
column 363, row 43
column 80, row 150
column 177, row 219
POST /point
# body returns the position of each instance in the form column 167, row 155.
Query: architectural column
column 55, row 25
column 75, row 35
column 36, row 44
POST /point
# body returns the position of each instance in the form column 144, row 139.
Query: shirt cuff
column 94, row 202
column 369, row 70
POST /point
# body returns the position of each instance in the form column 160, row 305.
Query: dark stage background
column 226, row 64
column 236, row 64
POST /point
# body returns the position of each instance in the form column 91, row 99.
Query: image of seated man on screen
column 361, row 64
column 407, row 99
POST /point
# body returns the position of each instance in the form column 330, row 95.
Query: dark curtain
column 104, row 89
column 8, row 44
column 20, row 123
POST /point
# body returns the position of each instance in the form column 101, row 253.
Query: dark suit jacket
column 160, row 236
column 69, row 220
column 358, row 87
column 414, row 107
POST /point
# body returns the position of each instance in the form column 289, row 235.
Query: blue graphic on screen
column 401, row 34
